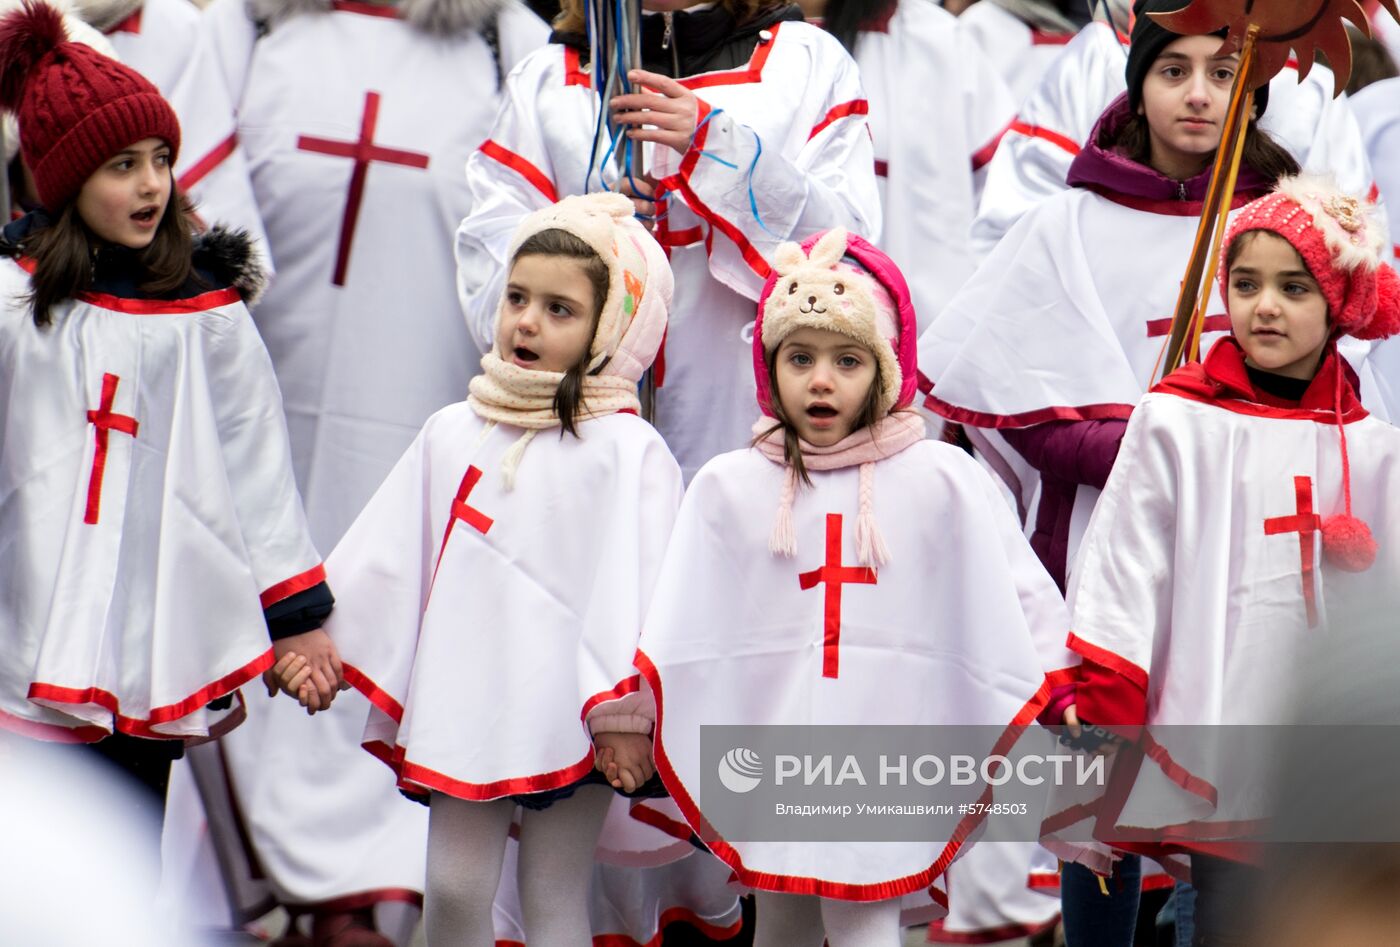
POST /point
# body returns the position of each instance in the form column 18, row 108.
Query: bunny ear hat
column 812, row 288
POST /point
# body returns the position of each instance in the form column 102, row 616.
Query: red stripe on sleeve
column 845, row 109
column 209, row 162
column 1055, row 138
column 521, row 167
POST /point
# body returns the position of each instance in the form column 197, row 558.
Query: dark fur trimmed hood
column 227, row 258
column 437, row 17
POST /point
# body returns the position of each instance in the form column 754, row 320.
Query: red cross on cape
column 362, row 152
column 1305, row 523
column 834, row 574
column 105, row 421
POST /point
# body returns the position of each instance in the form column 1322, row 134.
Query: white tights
column 466, row 843
column 796, row 920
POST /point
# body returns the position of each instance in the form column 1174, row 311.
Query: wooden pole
column 1205, row 253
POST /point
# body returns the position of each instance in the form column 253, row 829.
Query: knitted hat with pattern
column 76, row 107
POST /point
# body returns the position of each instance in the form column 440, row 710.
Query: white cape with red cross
column 1201, row 578
column 148, row 513
column 484, row 624
column 961, row 626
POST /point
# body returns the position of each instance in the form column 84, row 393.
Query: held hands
column 670, row 114
column 307, row 668
column 624, row 759
column 643, row 197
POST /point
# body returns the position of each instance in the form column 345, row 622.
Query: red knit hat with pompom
column 76, row 107
column 1341, row 243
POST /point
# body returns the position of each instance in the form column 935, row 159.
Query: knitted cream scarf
column 864, row 447
column 508, row 394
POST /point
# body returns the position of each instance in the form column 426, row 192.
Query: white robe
column 485, row 624
column 158, row 40
column 148, row 512
column 1377, row 109
column 926, row 228
column 1034, row 158
column 794, row 119
column 1015, row 348
column 1018, row 53
column 361, row 365
column 732, row 638
column 1184, row 588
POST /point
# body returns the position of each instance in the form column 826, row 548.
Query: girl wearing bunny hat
column 841, row 559
column 1252, row 509
column 495, row 583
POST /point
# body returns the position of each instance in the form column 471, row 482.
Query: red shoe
column 347, row 929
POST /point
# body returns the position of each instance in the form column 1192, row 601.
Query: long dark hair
column 568, row 399
column 792, row 450
column 63, row 254
column 844, row 18
column 1261, row 152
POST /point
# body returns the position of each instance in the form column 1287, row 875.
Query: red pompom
column 1347, row 543
column 1386, row 321
column 26, row 35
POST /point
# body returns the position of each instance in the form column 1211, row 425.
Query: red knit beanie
column 1341, row 242
column 76, row 107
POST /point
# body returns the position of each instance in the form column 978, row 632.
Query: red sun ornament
column 1306, row 27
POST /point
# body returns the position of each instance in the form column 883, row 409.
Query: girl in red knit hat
column 155, row 556
column 1251, row 510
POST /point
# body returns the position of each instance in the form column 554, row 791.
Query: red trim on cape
column 753, row 72
column 1170, row 208
column 573, row 69
column 1088, row 412
column 131, row 24
column 361, row 899
column 1105, row 658
column 791, row 884
column 143, row 727
column 624, row 687
column 1035, row 131
column 736, row 236
column 365, row 9
column 1158, row 882
column 1045, row 38
column 1222, row 381
column 882, row 169
column 216, row 156
column 657, row 819
column 838, row 112
column 987, row 935
column 1038, row 880
column 416, row 777
column 522, row 167
column 289, row 587
column 1373, row 193
column 204, row 302
column 373, row 692
column 983, row 156
column 51, row 732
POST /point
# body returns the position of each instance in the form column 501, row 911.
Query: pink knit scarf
column 864, row 447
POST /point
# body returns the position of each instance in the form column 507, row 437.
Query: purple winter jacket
column 1069, row 454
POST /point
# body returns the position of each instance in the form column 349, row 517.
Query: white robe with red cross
column 1033, row 159
column 485, row 624
column 1065, row 322
column 364, row 355
column 934, row 188
column 782, row 151
column 148, row 513
column 735, row 636
column 1202, row 578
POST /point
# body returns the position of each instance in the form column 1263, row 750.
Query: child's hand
column 672, row 111
column 290, row 672
column 314, row 690
column 642, row 190
column 624, row 759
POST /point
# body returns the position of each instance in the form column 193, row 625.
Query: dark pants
column 145, row 762
column 1224, row 892
column 1093, row 919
